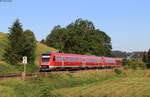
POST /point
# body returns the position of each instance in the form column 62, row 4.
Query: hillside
column 3, row 43
column 40, row 47
column 8, row 69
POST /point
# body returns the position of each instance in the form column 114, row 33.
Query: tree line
column 80, row 37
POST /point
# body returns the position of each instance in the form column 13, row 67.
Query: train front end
column 45, row 61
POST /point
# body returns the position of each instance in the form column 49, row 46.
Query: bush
column 124, row 61
column 7, row 68
column 142, row 65
column 29, row 68
column 133, row 64
column 148, row 65
column 126, row 67
column 118, row 71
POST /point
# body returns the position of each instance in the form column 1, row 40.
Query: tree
column 148, row 59
column 144, row 58
column 56, row 38
column 29, row 46
column 20, row 44
column 42, row 41
column 13, row 51
column 148, row 56
column 80, row 37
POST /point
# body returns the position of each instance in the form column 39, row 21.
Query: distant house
column 135, row 56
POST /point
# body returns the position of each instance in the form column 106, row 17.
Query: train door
column 83, row 62
column 57, row 60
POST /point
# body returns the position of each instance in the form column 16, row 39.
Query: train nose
column 45, row 63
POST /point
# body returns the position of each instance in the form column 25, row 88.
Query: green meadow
column 98, row 83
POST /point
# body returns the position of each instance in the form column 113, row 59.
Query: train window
column 92, row 60
column 71, row 59
column 45, row 59
column 82, row 60
column 88, row 60
column 58, row 59
column 99, row 60
column 109, row 61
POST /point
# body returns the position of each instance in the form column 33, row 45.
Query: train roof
column 66, row 54
column 78, row 55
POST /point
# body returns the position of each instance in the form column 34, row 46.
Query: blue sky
column 127, row 22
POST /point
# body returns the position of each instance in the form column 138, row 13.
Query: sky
column 127, row 22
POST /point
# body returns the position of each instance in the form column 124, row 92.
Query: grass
column 11, row 69
column 131, row 84
column 8, row 69
column 82, row 84
column 42, row 86
column 3, row 43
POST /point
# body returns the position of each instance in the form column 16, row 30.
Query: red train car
column 62, row 61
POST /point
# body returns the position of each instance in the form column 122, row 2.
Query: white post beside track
column 24, row 63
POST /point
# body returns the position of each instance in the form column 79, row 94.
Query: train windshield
column 45, row 57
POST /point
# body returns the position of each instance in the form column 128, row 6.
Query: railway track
column 14, row 75
column 5, row 76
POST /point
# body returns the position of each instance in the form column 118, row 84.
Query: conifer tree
column 13, row 51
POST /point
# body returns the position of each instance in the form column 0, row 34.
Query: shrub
column 118, row 71
column 126, row 67
column 125, row 61
column 142, row 65
column 147, row 65
column 133, row 64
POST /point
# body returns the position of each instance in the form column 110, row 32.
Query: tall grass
column 81, row 84
column 3, row 43
column 11, row 69
column 43, row 86
column 131, row 83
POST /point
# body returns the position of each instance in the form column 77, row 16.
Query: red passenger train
column 62, row 61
